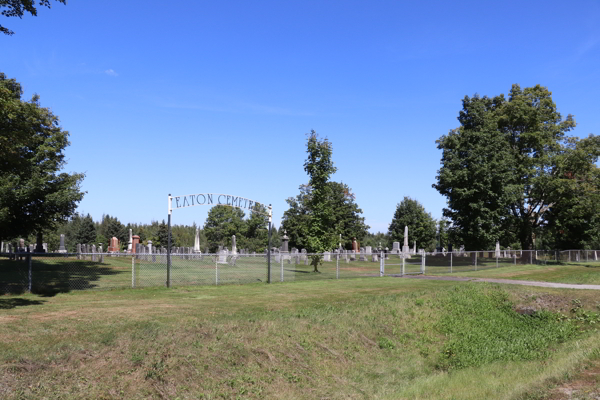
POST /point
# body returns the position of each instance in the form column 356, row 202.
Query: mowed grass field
column 577, row 273
column 369, row 338
column 59, row 274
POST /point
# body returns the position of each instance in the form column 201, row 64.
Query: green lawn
column 588, row 273
column 385, row 338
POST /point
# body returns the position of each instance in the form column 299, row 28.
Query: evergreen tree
column 421, row 226
column 86, row 234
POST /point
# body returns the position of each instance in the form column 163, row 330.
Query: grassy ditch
column 363, row 338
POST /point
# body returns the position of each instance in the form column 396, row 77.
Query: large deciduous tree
column 321, row 218
column 421, row 226
column 505, row 167
column 346, row 215
column 35, row 195
column 221, row 223
column 324, row 209
column 18, row 8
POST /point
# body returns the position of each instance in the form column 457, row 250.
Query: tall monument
column 130, row 243
column 233, row 245
column 405, row 248
column 197, row 241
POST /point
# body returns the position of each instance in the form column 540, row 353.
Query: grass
column 361, row 338
column 588, row 273
column 62, row 273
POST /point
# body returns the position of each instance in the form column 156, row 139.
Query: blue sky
column 196, row 96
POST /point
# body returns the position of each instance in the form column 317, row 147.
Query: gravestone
column 39, row 248
column 62, row 248
column 374, row 257
column 368, row 250
column 327, row 256
column 130, row 243
column 22, row 245
column 497, row 249
column 100, row 252
column 355, row 246
column 135, row 241
column 396, row 247
column 223, row 256
column 363, row 256
column 79, row 251
column 284, row 242
column 233, row 245
column 114, row 245
column 94, row 253
column 353, row 255
column 405, row 248
column 197, row 242
column 414, row 247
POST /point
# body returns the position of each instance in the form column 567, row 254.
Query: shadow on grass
column 6, row 304
column 50, row 277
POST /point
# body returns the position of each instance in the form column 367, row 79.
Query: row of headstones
column 6, row 247
column 86, row 250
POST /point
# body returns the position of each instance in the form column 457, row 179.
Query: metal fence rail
column 63, row 272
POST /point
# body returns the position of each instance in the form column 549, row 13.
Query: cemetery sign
column 190, row 200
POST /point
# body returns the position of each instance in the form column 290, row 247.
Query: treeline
column 222, row 222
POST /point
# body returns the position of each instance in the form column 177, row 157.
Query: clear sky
column 217, row 96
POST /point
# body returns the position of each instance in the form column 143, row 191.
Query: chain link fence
column 52, row 273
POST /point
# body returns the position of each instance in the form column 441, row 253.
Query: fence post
column 450, row 262
column 496, row 260
column 132, row 271
column 475, row 261
column 337, row 266
column 30, row 272
column 423, row 263
column 281, row 261
column 530, row 257
column 217, row 269
column 381, row 268
column 403, row 258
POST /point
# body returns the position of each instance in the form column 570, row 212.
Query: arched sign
column 201, row 199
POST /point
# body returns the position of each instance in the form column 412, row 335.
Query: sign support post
column 269, row 248
column 169, row 244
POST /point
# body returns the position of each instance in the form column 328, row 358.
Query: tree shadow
column 53, row 275
column 6, row 304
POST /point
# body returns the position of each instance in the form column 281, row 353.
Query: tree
column 34, row 195
column 86, row 233
column 347, row 215
column 221, row 223
column 573, row 221
column 502, row 169
column 315, row 206
column 421, row 226
column 111, row 227
column 256, row 232
column 442, row 233
column 17, row 8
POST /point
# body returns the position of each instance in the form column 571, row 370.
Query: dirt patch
column 584, row 386
column 544, row 301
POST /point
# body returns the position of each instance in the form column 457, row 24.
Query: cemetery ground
column 361, row 338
